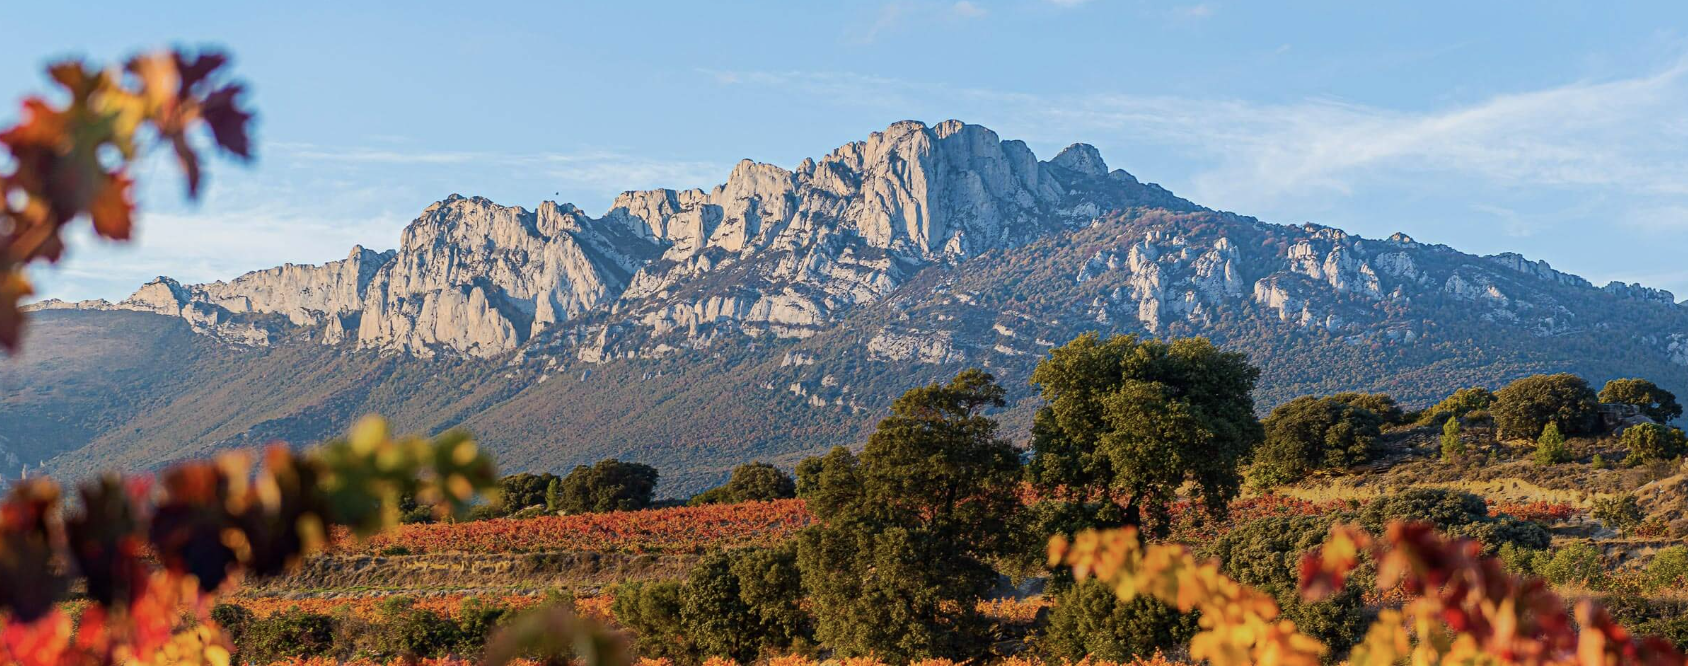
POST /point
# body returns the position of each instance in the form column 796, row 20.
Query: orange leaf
column 113, row 208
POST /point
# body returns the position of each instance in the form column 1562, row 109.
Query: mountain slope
column 777, row 315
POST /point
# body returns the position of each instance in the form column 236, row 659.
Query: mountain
column 779, row 313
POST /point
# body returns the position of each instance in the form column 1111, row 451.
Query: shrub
column 1452, row 445
column 1668, row 568
column 1599, row 462
column 1550, row 447
column 1463, row 402
column 1650, row 442
column 1457, row 513
column 750, row 482
column 1656, row 403
column 1526, row 406
column 1266, row 554
column 234, row 621
column 287, row 635
column 1090, row 621
column 1380, row 404
column 652, row 612
column 476, row 621
column 610, row 485
column 1621, row 512
column 1307, row 434
column 740, row 604
column 1579, row 563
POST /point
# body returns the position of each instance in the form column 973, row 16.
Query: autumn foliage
column 680, row 529
column 72, row 159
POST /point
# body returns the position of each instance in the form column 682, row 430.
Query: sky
column 1555, row 129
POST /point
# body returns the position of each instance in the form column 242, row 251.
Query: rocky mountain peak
column 779, row 253
column 1081, row 158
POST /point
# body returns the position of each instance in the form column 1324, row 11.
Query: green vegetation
column 1127, row 422
column 610, row 485
column 1655, row 403
column 1462, row 402
column 1550, row 447
column 1310, row 434
column 1452, row 446
column 750, row 482
column 1650, row 442
column 909, row 527
column 1089, row 620
column 1621, row 513
column 1454, row 512
column 1266, row 554
column 1526, row 406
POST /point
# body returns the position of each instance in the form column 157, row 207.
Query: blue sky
column 1556, row 129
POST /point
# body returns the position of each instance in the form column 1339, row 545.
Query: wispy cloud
column 1614, row 134
column 965, row 9
column 1193, row 12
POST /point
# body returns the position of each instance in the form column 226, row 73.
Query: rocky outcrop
column 788, row 253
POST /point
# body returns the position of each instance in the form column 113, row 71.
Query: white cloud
column 1067, row 3
column 965, row 9
column 1197, row 11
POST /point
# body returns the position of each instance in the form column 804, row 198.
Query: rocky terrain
column 777, row 313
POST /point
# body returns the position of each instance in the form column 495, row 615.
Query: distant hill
column 779, row 313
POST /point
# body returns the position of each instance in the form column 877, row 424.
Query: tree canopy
column 1524, row 407
column 610, row 485
column 1132, row 420
column 1656, row 403
column 1308, row 434
column 908, row 528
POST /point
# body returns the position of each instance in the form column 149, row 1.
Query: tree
column 1656, row 403
column 554, row 494
column 520, row 491
column 610, row 485
column 1380, row 404
column 1460, row 403
column 1651, row 442
column 906, row 530
column 740, row 604
column 1309, row 434
column 1127, row 422
column 1550, row 447
column 750, row 482
column 1527, row 405
column 1452, row 446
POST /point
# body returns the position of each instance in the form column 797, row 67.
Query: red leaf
column 227, row 120
column 113, row 208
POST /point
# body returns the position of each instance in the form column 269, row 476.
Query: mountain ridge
column 801, row 301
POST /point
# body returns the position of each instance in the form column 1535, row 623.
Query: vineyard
column 675, row 530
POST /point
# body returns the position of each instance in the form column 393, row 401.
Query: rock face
column 769, row 251
column 788, row 253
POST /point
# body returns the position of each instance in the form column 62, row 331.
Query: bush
column 1668, row 568
column 234, row 621
column 289, row 634
column 1090, row 621
column 750, row 482
column 1621, row 513
column 1457, row 513
column 1550, row 447
column 1307, row 434
column 1579, row 563
column 409, row 632
column 520, row 491
column 1650, row 442
column 1266, row 554
column 1463, row 402
column 1656, row 403
column 1526, row 406
column 1380, row 404
column 476, row 621
column 1452, row 446
column 652, row 612
column 610, row 485
column 739, row 604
